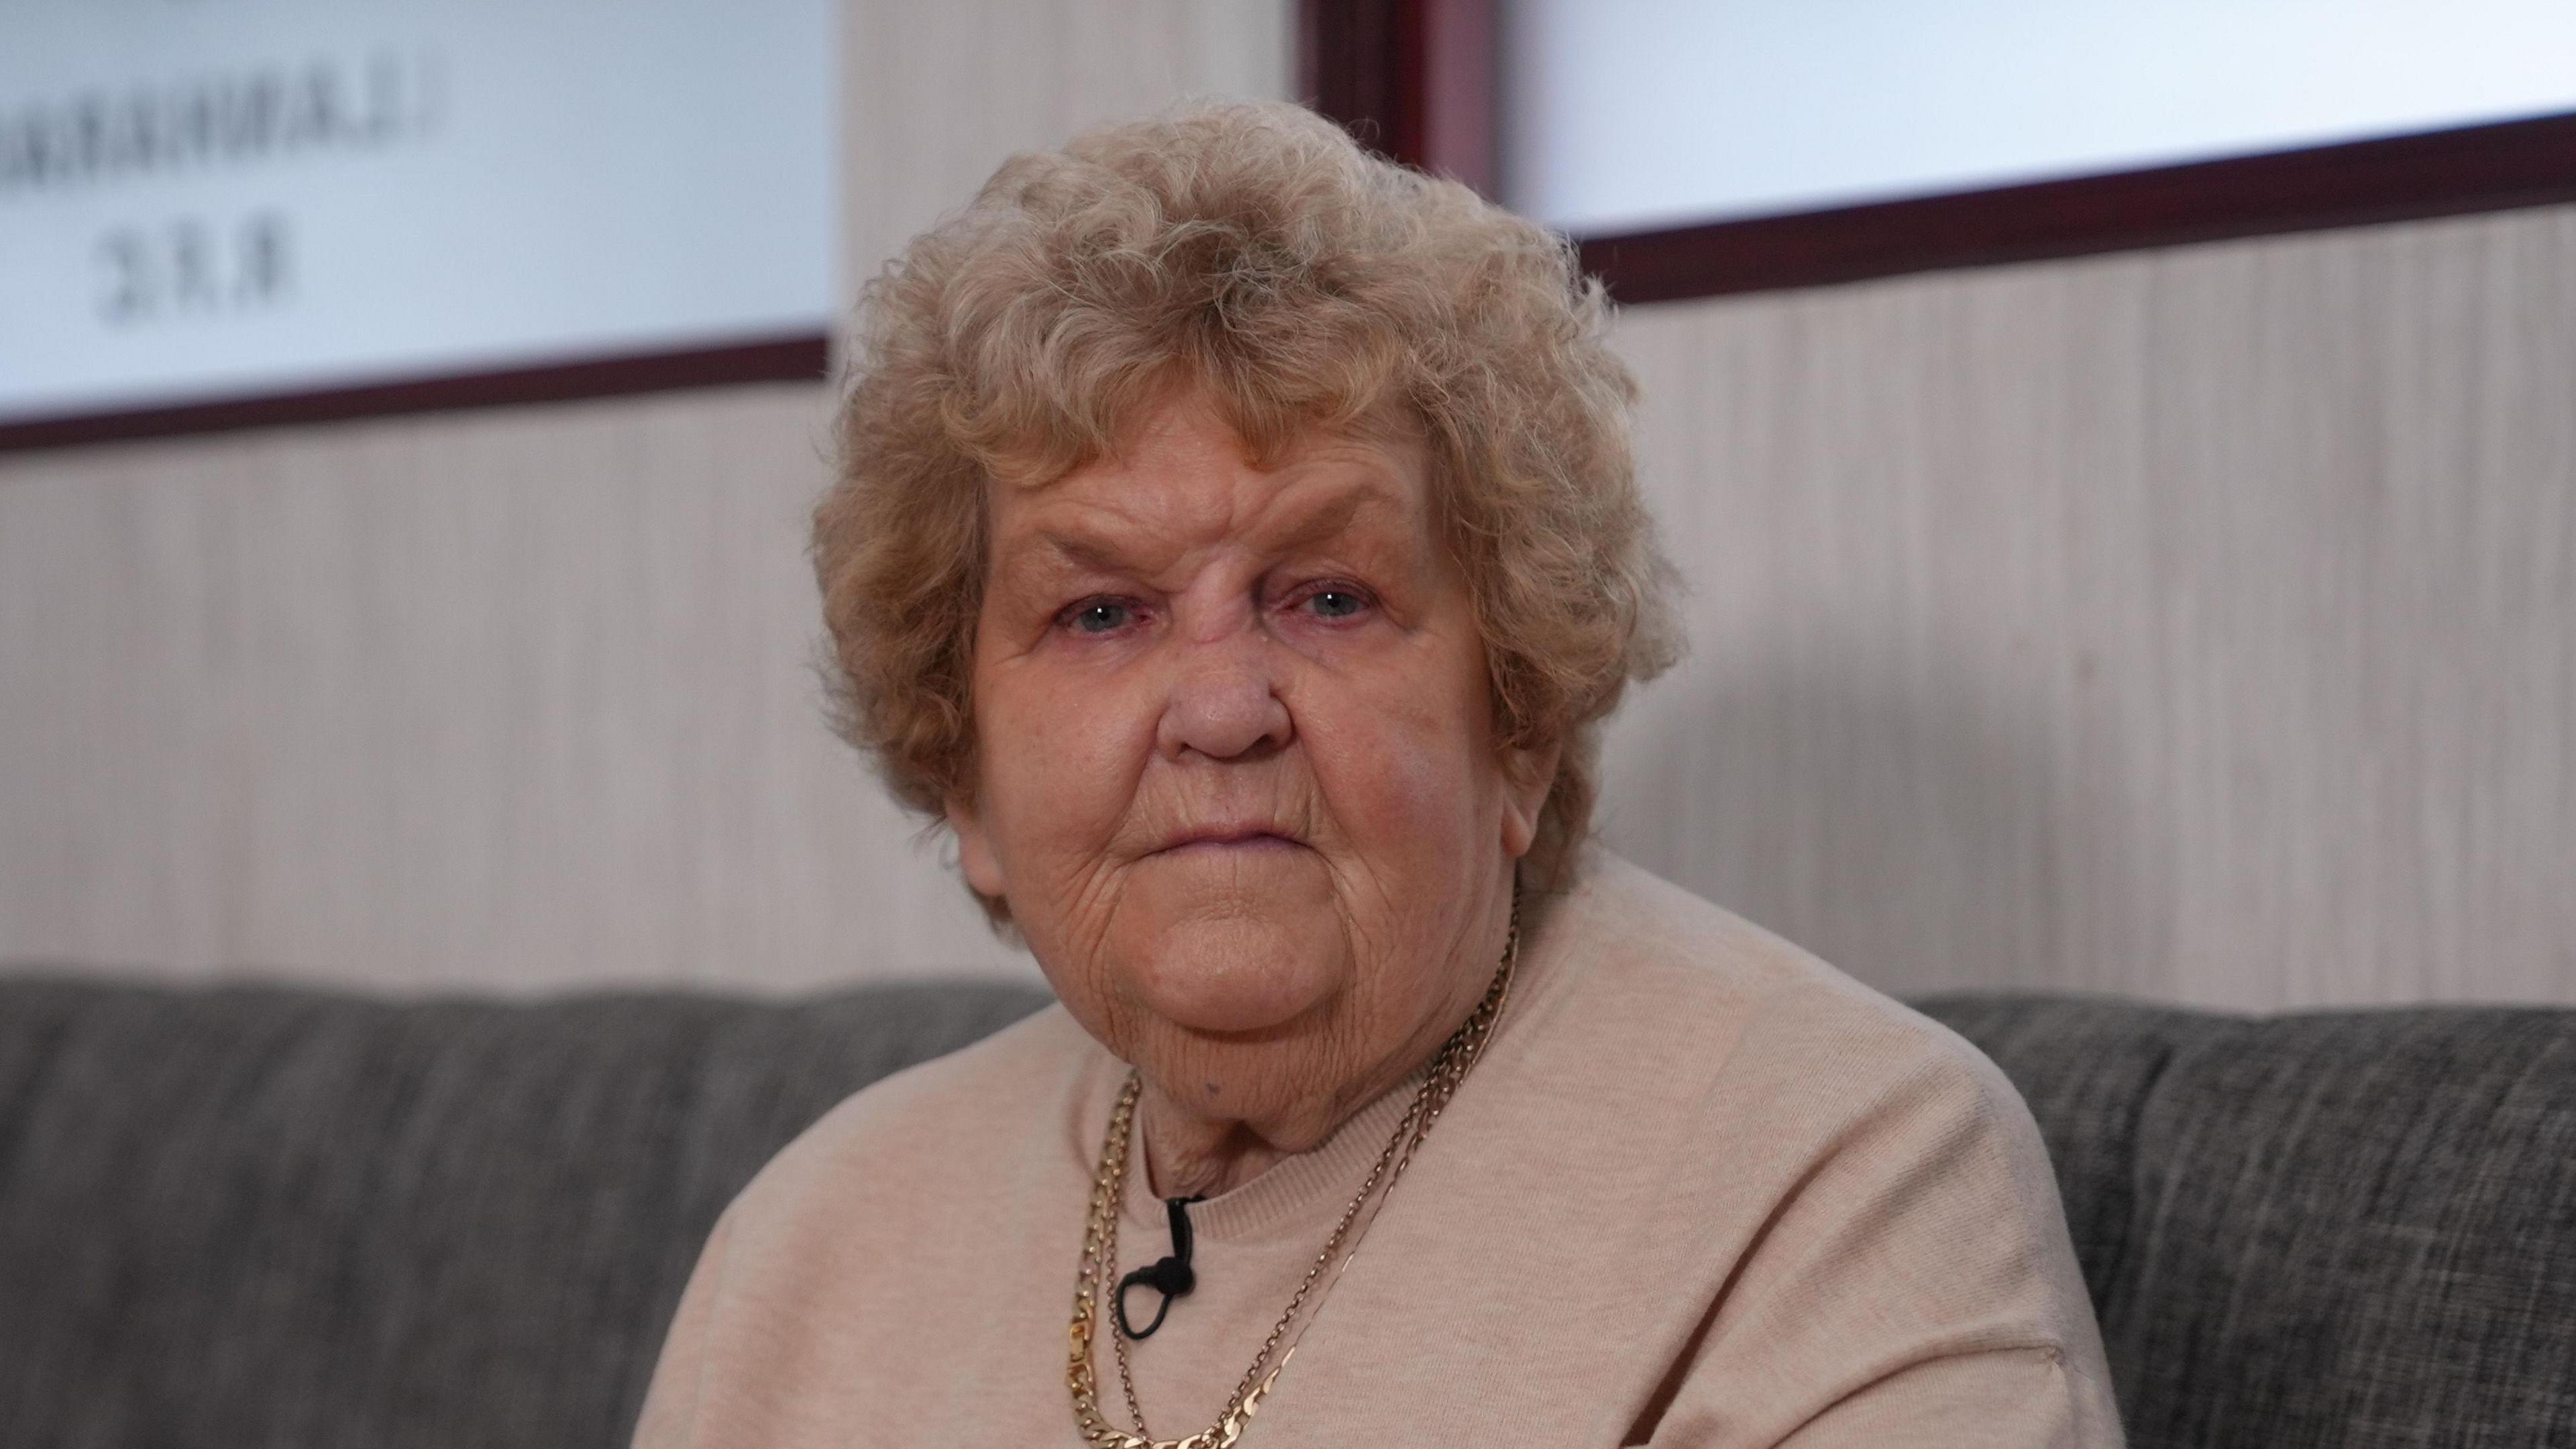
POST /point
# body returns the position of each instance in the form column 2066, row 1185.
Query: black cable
column 1170, row 1276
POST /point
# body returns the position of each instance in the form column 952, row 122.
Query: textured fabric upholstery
column 247, row 1218
column 2350, row 1229
column 265, row 1217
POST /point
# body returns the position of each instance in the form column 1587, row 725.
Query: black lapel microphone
column 1170, row 1276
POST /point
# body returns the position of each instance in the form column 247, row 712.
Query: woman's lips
column 1232, row 840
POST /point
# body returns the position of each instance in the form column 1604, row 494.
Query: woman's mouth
column 1230, row 839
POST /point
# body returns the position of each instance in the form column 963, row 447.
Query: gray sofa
column 266, row 1217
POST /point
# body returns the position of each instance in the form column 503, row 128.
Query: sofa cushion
column 2349, row 1229
column 262, row 1217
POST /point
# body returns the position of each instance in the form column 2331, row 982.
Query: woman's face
column 1238, row 779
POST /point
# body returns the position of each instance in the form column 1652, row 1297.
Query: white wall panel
column 511, row 698
column 2197, row 624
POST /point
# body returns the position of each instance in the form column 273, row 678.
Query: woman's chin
column 1234, row 978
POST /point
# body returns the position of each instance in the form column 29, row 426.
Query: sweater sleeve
column 2012, row 1396
column 669, row 1417
column 1913, row 1284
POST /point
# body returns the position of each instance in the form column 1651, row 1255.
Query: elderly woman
column 1236, row 547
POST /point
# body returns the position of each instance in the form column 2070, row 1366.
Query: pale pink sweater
column 1701, row 1190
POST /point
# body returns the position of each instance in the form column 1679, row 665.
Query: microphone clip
column 1170, row 1276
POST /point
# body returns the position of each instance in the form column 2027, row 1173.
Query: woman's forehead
column 1185, row 481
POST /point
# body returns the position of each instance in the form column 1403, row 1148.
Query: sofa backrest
column 2338, row 1229
column 269, row 1217
column 254, row 1217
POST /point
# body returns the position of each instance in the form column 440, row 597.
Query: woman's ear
column 1528, row 776
column 975, row 850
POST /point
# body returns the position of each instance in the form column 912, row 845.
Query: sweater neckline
column 1306, row 1190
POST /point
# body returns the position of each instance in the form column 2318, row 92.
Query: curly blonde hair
column 1254, row 252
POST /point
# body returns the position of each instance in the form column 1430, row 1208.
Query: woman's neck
column 1187, row 1155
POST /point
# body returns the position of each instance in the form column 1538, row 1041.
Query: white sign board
column 216, row 199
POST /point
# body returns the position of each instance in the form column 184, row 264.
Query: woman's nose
column 1223, row 704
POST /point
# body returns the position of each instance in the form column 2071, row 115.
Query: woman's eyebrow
column 1364, row 511
column 1080, row 552
column 1046, row 552
column 1329, row 519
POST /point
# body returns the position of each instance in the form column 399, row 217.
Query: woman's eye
column 1336, row 603
column 1100, row 616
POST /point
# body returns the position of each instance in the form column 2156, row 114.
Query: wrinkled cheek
column 1407, row 788
column 1418, row 797
column 1059, row 782
column 1060, row 769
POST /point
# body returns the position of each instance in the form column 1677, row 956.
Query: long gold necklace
column 1109, row 1195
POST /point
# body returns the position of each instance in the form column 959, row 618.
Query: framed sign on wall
column 216, row 213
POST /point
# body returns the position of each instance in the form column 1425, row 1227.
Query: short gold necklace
column 1109, row 1195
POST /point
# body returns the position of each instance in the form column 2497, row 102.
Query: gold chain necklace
column 1109, row 1195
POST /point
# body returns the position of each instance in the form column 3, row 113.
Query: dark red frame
column 1412, row 78
column 798, row 358
column 1416, row 79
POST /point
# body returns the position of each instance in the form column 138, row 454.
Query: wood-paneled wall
column 512, row 698
column 2199, row 625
